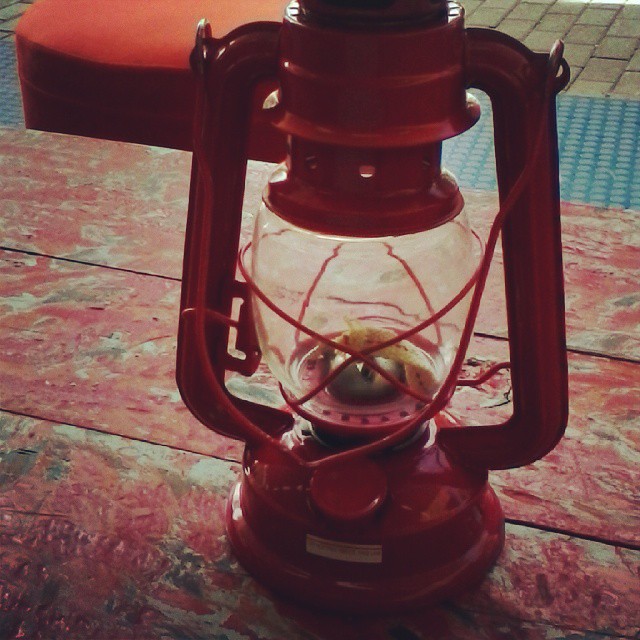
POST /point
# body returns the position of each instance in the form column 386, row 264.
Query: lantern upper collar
column 374, row 87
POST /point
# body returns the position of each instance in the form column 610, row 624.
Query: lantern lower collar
column 369, row 215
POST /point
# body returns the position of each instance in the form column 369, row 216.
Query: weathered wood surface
column 139, row 525
column 125, row 206
column 96, row 347
column 590, row 483
column 104, row 537
column 601, row 256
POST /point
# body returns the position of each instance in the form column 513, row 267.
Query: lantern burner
column 303, row 430
column 348, row 397
column 361, row 384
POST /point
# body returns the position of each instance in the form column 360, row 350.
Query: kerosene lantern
column 359, row 289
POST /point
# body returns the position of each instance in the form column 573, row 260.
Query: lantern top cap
column 368, row 13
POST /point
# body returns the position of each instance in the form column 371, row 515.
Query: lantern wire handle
column 316, row 281
column 438, row 402
column 423, row 294
column 554, row 63
column 483, row 377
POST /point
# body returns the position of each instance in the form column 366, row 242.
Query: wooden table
column 112, row 495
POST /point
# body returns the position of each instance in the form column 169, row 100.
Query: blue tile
column 10, row 101
column 599, row 146
column 598, row 141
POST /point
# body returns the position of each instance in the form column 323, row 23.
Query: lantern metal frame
column 522, row 86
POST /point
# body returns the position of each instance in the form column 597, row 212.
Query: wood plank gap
column 38, row 514
column 480, row 334
column 590, row 633
column 574, row 350
column 573, row 534
column 514, row 521
column 34, row 416
column 88, row 263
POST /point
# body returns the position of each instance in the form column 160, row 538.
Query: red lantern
column 360, row 288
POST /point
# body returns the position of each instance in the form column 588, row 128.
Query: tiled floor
column 599, row 138
column 10, row 12
column 602, row 37
column 598, row 143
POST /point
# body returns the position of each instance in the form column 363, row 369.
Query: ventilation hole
column 367, row 171
column 271, row 101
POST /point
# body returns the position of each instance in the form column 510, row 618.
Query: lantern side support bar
column 228, row 71
column 515, row 79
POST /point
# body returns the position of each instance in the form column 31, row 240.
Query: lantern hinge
column 243, row 351
column 244, row 356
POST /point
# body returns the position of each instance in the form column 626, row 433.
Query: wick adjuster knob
column 349, row 492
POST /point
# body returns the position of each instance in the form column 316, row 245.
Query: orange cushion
column 121, row 70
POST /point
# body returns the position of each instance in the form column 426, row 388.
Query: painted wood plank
column 107, row 537
column 590, row 483
column 601, row 257
column 114, row 204
column 125, row 206
column 102, row 202
column 96, row 348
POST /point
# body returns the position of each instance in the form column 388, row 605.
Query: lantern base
column 434, row 533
